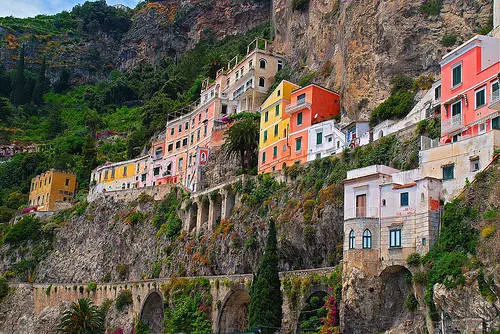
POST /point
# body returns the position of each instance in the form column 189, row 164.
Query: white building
column 388, row 214
column 325, row 139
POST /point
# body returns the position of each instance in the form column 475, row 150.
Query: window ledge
column 456, row 86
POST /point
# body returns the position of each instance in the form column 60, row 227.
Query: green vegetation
column 83, row 317
column 430, row 127
column 411, row 303
column 166, row 219
column 122, row 270
column 92, row 286
column 189, row 306
column 449, row 40
column 431, row 7
column 142, row 328
column 123, row 300
column 413, row 260
column 264, row 310
column 242, row 139
column 398, row 104
column 4, row 287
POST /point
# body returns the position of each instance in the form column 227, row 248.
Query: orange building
column 52, row 190
column 309, row 105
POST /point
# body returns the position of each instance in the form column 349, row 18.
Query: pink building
column 470, row 89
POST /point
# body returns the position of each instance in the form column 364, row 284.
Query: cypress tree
column 40, row 85
column 17, row 96
column 4, row 82
column 265, row 308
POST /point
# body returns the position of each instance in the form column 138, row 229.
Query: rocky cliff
column 355, row 47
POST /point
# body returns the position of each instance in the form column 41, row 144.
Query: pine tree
column 40, row 85
column 17, row 95
column 265, row 310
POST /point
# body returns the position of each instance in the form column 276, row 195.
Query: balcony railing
column 495, row 100
column 451, row 124
column 299, row 105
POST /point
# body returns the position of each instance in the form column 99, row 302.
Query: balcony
column 296, row 106
column 495, row 101
column 451, row 124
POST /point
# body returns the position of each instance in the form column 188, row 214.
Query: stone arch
column 310, row 307
column 395, row 289
column 152, row 312
column 233, row 315
column 216, row 210
column 193, row 216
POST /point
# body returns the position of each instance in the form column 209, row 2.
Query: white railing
column 451, row 124
column 302, row 104
column 495, row 100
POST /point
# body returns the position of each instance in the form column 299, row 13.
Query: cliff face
column 161, row 29
column 357, row 46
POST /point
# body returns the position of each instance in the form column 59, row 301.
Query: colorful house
column 52, row 191
column 469, row 87
column 274, row 128
column 309, row 106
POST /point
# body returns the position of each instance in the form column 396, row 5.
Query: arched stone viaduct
column 229, row 307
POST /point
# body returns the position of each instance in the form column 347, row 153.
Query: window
column 123, row 186
column 181, row 163
column 170, row 147
column 67, row 180
column 298, row 144
column 199, row 117
column 191, row 140
column 178, row 144
column 367, row 239
column 482, row 128
column 448, row 172
column 186, row 126
column 172, row 131
column 266, row 116
column 125, row 171
column 250, row 64
column 395, row 238
column 265, row 135
column 50, row 179
column 480, row 95
column 456, row 75
column 275, row 130
column 275, row 151
column 184, row 142
column 338, row 144
column 456, row 138
column 383, row 202
column 319, row 138
column 299, row 118
column 352, row 240
column 263, row 157
column 437, row 93
column 404, row 199
column 228, row 82
column 156, row 171
column 143, row 177
column 105, row 175
column 424, row 241
column 495, row 91
column 180, row 128
column 280, row 64
column 278, row 93
column 318, row 156
column 301, row 99
column 474, row 164
column 262, row 63
column 205, row 129
column 456, row 108
column 169, row 169
column 262, row 82
column 361, row 205
column 495, row 123
column 198, row 134
column 277, row 110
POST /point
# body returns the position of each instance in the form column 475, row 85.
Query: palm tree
column 242, row 138
column 83, row 318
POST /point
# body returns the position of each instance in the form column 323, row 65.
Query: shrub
column 122, row 271
column 413, row 260
column 4, row 287
column 431, row 7
column 420, row 277
column 300, row 5
column 174, row 228
column 488, row 231
column 486, row 286
column 92, row 286
column 448, row 40
column 491, row 215
column 106, row 278
column 447, row 269
column 135, row 218
column 308, row 234
column 123, row 300
column 430, row 127
column 47, row 291
column 142, row 328
column 306, row 79
column 28, row 228
column 423, row 82
column 156, row 270
column 411, row 303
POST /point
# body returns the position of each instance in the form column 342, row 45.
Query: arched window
column 262, row 82
column 123, row 186
column 262, row 63
column 367, row 239
column 352, row 240
column 381, row 134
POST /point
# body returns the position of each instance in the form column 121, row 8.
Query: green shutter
column 277, row 110
column 457, row 75
column 319, row 138
column 276, row 130
column 263, row 156
column 299, row 118
column 265, row 135
column 275, row 151
column 298, row 144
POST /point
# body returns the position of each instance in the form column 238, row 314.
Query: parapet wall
column 157, row 192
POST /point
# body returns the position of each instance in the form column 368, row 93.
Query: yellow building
column 274, row 127
column 52, row 190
